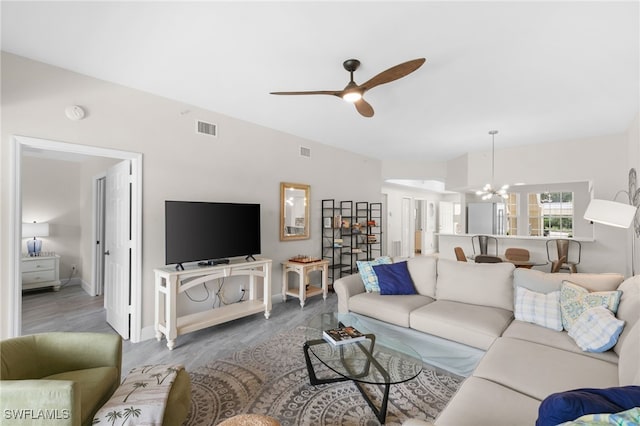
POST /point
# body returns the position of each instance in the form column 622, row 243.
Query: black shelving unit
column 350, row 232
column 348, row 216
column 333, row 243
column 374, row 231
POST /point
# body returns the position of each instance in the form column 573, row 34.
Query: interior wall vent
column 205, row 128
column 305, row 152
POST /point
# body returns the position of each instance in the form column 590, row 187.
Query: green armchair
column 58, row 378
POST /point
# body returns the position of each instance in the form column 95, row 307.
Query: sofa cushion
column 394, row 279
column 476, row 283
column 472, row 325
column 574, row 300
column 423, row 273
column 567, row 406
column 557, row 339
column 96, row 387
column 539, row 370
column 543, row 282
column 481, row 402
column 629, row 307
column 538, row 308
column 596, row 330
column 391, row 309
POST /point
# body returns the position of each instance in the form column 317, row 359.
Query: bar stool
column 483, row 242
column 563, row 248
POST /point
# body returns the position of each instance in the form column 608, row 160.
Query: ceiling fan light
column 352, row 97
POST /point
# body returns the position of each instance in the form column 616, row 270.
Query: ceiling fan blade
column 313, row 92
column 364, row 108
column 393, row 73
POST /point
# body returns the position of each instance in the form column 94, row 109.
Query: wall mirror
column 294, row 211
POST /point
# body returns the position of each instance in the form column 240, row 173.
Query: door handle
column 107, row 253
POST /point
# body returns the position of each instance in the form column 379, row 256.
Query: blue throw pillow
column 567, row 406
column 394, row 279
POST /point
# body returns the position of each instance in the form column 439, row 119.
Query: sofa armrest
column 40, row 402
column 345, row 288
column 76, row 351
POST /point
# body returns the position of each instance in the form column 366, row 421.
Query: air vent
column 305, row 152
column 205, row 128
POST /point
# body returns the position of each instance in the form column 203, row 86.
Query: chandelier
column 489, row 191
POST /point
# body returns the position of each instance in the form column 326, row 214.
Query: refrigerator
column 486, row 218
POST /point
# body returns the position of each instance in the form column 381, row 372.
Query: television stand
column 250, row 257
column 170, row 283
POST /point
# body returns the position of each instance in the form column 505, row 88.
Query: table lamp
column 34, row 230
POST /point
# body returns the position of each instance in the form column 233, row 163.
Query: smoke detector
column 74, row 112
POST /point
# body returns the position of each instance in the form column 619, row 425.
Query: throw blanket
column 141, row 398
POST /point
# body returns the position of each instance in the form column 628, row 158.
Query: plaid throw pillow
column 368, row 275
column 538, row 308
column 596, row 330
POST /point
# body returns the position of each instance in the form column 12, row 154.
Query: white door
column 117, row 247
column 98, row 268
column 446, row 217
column 407, row 221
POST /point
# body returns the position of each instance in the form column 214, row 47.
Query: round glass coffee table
column 373, row 360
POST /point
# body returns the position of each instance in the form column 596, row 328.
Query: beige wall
column 245, row 163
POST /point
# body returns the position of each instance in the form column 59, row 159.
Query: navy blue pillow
column 394, row 278
column 567, row 406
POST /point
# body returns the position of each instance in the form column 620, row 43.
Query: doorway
column 21, row 143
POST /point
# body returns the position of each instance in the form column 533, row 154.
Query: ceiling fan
column 354, row 92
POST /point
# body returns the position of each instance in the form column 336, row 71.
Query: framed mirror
column 294, row 211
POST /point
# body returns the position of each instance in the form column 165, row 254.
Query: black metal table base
column 381, row 413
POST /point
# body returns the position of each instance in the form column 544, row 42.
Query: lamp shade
column 32, row 230
column 610, row 213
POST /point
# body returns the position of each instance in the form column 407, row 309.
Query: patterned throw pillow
column 367, row 273
column 538, row 308
column 574, row 300
column 596, row 330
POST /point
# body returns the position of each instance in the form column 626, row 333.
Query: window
column 511, row 204
column 551, row 214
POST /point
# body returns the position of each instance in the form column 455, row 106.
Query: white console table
column 171, row 282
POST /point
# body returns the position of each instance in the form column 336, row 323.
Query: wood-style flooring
column 71, row 309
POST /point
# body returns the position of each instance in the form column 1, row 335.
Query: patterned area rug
column 272, row 379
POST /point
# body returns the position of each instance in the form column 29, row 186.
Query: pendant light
column 488, row 191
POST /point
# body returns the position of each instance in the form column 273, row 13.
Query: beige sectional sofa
column 473, row 305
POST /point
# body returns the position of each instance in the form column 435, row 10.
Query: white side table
column 303, row 270
column 40, row 272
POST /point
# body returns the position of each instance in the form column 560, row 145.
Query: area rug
column 271, row 379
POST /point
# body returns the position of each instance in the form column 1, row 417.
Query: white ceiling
column 536, row 71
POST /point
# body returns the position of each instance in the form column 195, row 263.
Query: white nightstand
column 41, row 271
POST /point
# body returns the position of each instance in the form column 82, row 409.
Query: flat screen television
column 210, row 232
